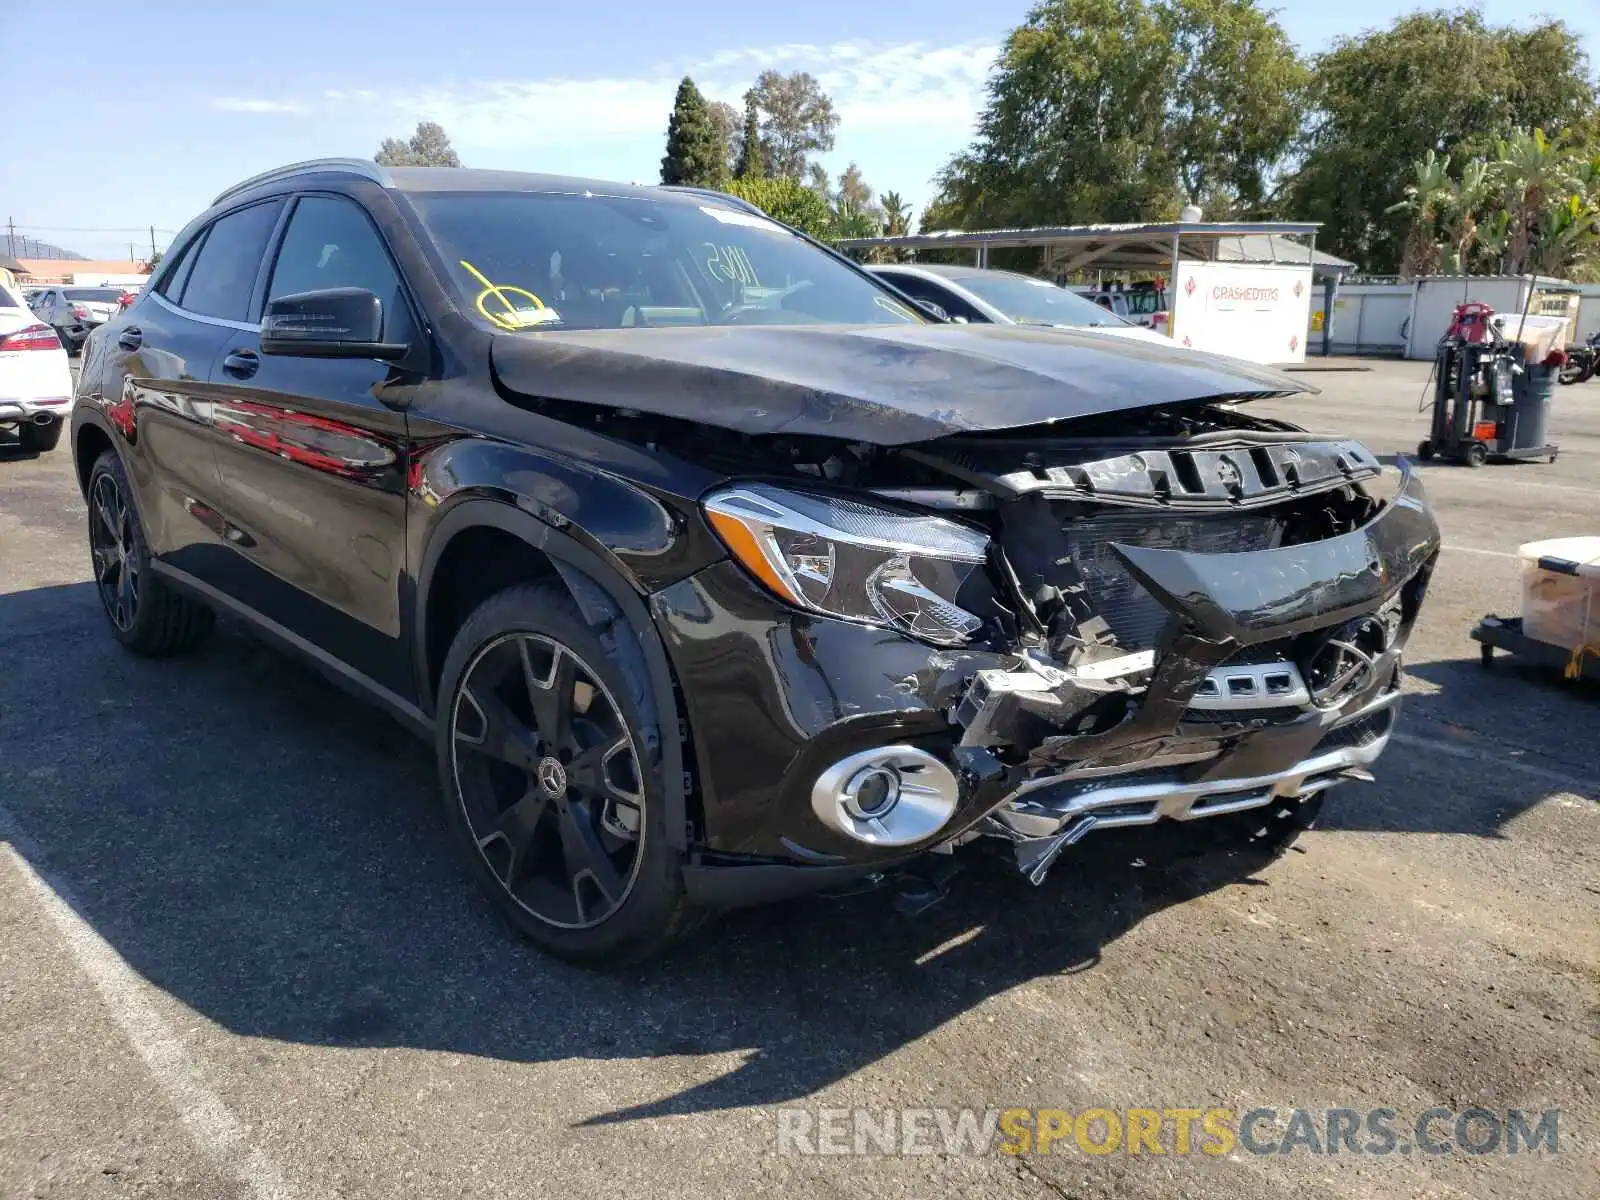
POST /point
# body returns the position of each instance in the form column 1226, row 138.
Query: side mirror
column 330, row 323
column 932, row 309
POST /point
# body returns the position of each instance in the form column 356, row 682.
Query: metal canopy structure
column 1144, row 249
column 1134, row 248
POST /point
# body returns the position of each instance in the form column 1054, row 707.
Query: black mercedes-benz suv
column 715, row 571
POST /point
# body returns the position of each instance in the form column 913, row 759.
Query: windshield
column 526, row 261
column 1037, row 301
column 105, row 293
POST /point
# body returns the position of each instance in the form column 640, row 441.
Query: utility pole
column 152, row 244
column 11, row 237
column 130, row 251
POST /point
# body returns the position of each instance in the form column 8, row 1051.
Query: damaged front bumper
column 1277, row 676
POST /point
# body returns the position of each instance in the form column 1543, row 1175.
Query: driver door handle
column 242, row 364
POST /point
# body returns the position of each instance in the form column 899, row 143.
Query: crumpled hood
column 887, row 385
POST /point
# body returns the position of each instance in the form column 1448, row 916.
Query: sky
column 143, row 113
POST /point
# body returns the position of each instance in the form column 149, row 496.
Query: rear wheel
column 146, row 616
column 1425, row 450
column 1476, row 454
column 550, row 763
column 39, row 438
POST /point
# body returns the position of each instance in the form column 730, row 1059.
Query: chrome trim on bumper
column 1147, row 803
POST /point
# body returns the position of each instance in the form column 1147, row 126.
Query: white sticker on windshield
column 522, row 318
column 734, row 216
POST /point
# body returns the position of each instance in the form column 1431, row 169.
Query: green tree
column 896, row 215
column 1234, row 102
column 1462, row 208
column 789, row 201
column 1119, row 110
column 1425, row 196
column 1536, row 176
column 697, row 153
column 797, row 120
column 1441, row 81
column 752, row 159
column 854, row 190
column 429, row 146
column 725, row 119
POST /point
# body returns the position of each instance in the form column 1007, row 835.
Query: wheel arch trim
column 594, row 586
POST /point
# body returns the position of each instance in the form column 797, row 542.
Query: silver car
column 74, row 312
column 984, row 295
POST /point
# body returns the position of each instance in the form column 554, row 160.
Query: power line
column 91, row 228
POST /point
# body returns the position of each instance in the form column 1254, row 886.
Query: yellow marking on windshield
column 516, row 316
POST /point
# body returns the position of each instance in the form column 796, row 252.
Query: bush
column 789, row 201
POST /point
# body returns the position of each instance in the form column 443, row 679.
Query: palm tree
column 1530, row 169
column 1567, row 237
column 1462, row 202
column 896, row 215
column 1425, row 195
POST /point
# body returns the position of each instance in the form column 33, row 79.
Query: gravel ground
column 237, row 959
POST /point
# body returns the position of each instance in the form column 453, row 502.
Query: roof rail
column 713, row 194
column 363, row 167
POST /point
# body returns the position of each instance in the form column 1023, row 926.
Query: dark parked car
column 715, row 572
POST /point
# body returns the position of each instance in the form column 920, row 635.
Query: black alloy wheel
column 146, row 616
column 548, row 780
column 114, row 549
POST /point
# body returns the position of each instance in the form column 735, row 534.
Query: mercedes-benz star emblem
column 1347, row 660
column 552, row 777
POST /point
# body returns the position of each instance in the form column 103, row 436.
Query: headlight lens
column 853, row 560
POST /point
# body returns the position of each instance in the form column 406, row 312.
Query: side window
column 917, row 288
column 172, row 285
column 224, row 273
column 330, row 243
column 921, row 289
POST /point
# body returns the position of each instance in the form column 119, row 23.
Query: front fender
column 600, row 592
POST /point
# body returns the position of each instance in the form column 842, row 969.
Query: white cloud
column 904, row 108
column 907, row 85
column 231, row 104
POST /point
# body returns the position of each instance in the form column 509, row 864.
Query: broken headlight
column 854, row 560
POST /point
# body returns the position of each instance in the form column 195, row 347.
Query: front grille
column 1135, row 616
column 1358, row 733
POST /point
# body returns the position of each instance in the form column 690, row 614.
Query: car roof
column 477, row 179
column 461, row 179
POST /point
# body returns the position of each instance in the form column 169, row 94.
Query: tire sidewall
column 145, row 615
column 546, row 609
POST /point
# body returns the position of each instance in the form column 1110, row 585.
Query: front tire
column 39, row 439
column 550, row 765
column 146, row 616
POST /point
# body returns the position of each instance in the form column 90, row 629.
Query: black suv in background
column 715, row 571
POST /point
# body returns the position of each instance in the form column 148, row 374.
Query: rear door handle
column 242, row 364
column 130, row 339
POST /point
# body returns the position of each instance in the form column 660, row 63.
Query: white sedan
column 35, row 382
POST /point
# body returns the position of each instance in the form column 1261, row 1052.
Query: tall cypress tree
column 696, row 154
column 752, row 162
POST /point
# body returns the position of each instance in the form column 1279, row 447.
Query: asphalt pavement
column 238, row 959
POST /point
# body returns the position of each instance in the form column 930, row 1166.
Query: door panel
column 150, row 370
column 311, row 461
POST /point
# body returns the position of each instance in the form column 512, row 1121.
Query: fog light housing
column 887, row 796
